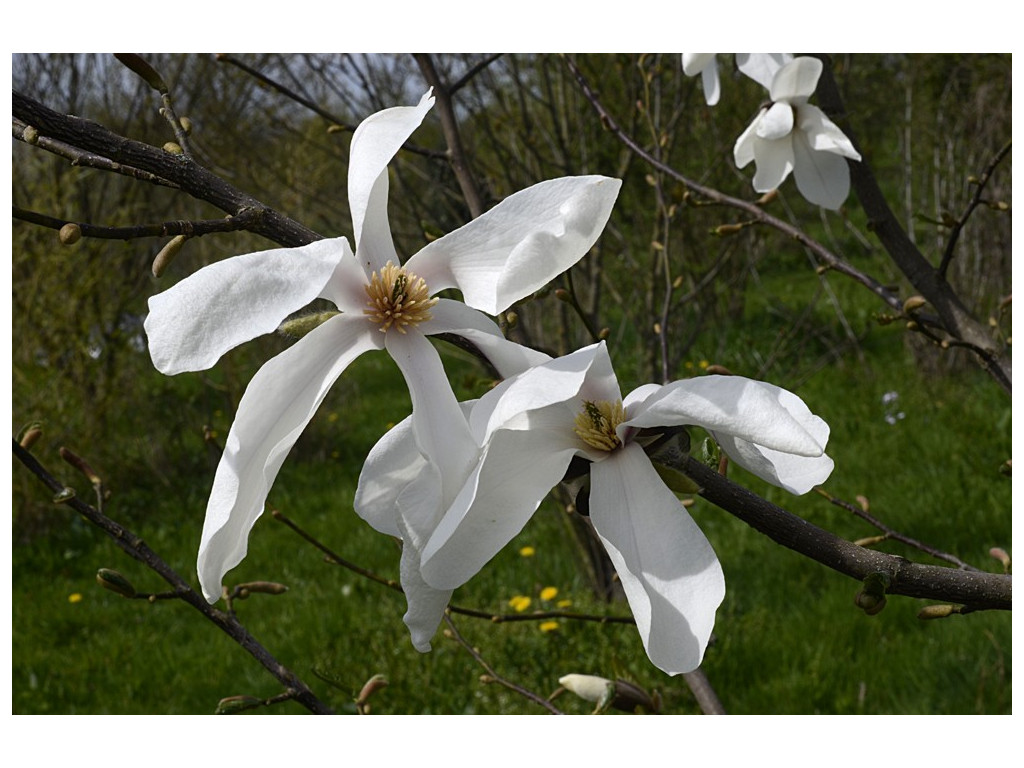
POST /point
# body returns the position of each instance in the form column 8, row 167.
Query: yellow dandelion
column 332, row 417
column 527, row 552
column 75, row 597
column 548, row 626
column 520, row 603
column 703, row 364
column 689, row 365
column 564, row 603
column 548, row 593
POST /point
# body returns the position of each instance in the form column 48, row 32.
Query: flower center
column 596, row 423
column 397, row 298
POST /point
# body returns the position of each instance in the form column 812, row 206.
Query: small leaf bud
column 870, row 604
column 1002, row 556
column 30, row 135
column 115, row 582
column 913, row 303
column 868, row 541
column 724, row 230
column 81, row 465
column 264, row 587
column 70, row 234
column 767, row 197
column 299, row 326
column 937, row 611
column 186, row 125
column 167, row 254
column 512, row 319
column 64, row 495
column 719, row 370
column 563, row 295
column 603, row 334
column 173, row 148
column 371, row 686
column 30, row 435
column 236, row 704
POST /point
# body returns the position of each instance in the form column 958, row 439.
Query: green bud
column 913, row 303
column 167, row 254
column 870, row 604
column 870, row 540
column 299, row 326
column 186, row 125
column 724, row 230
column 65, row 495
column 236, row 704
column 115, row 582
column 512, row 319
column 30, row 135
column 70, row 234
column 30, row 435
column 263, row 587
column 173, row 148
column 937, row 611
column 143, row 69
column 603, row 334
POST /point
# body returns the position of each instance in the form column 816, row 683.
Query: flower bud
column 173, row 148
column 603, row 334
column 143, row 69
column 236, row 704
column 1002, row 556
column 587, row 687
column 870, row 604
column 724, row 230
column 563, row 295
column 512, row 319
column 870, row 540
column 937, row 611
column 167, row 254
column 30, row 135
column 70, row 234
column 64, row 495
column 767, row 197
column 371, row 686
column 264, row 587
column 115, row 582
column 299, row 326
column 81, row 465
column 913, row 303
column 186, row 125
column 30, row 435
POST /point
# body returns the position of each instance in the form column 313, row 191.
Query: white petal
column 774, row 162
column 743, row 151
column 668, row 570
column 506, row 356
column 516, row 472
column 797, row 474
column 823, row 178
column 761, row 67
column 751, row 410
column 374, row 143
column 520, row 244
column 796, row 80
column 278, row 403
column 711, row 83
column 777, row 122
column 232, row 301
column 823, row 134
column 426, row 604
column 391, row 465
column 694, row 63
column 587, row 687
column 347, row 286
column 438, row 424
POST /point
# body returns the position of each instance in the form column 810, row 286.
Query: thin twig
column 167, row 229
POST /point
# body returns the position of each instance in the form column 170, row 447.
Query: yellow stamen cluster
column 397, row 298
column 596, row 423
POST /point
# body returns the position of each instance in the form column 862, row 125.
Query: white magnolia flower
column 761, row 67
column 495, row 260
column 791, row 135
column 705, row 64
column 531, row 426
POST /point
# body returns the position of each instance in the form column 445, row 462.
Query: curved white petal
column 761, row 67
column 232, row 301
column 774, row 162
column 751, row 410
column 278, row 403
column 374, row 143
column 391, row 465
column 743, row 151
column 823, row 178
column 712, row 84
column 668, row 570
column 506, row 356
column 777, row 121
column 515, row 473
column 797, row 474
column 521, row 244
column 823, row 134
column 796, row 80
column 695, row 63
column 347, row 285
column 438, row 424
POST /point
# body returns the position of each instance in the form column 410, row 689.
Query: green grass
column 788, row 638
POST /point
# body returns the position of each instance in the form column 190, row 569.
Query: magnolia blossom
column 705, row 64
column 531, row 426
column 791, row 135
column 495, row 260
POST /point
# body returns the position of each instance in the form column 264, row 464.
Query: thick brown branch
column 976, row 589
column 182, row 171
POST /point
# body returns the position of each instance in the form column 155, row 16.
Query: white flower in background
column 495, row 260
column 761, row 67
column 706, row 65
column 531, row 426
column 791, row 135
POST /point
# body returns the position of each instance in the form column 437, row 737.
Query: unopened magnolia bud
column 870, row 540
column 335, row 128
column 937, row 611
column 298, row 327
column 1001, row 555
column 767, row 197
column 865, row 504
column 143, row 69
column 371, row 686
column 603, row 334
column 264, row 587
column 998, row 205
column 173, row 148
column 70, row 234
column 587, row 687
column 30, row 134
column 512, row 319
column 81, row 465
column 115, row 582
column 563, row 295
column 167, row 254
column 724, row 230
column 822, row 269
column 655, row 245
column 914, row 302
column 186, row 125
column 720, row 370
column 656, row 328
column 30, row 435
column 677, row 283
column 912, row 325
column 236, row 704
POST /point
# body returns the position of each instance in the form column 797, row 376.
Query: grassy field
column 788, row 638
